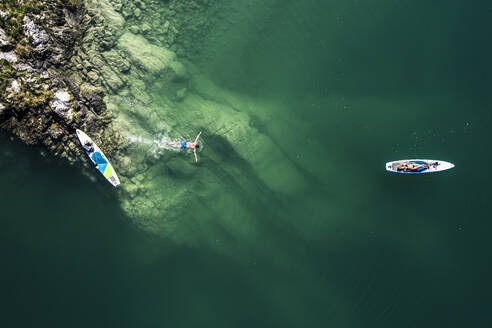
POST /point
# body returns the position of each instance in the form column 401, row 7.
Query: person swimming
column 187, row 145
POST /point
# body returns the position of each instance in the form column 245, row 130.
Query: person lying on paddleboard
column 412, row 167
column 188, row 145
column 88, row 147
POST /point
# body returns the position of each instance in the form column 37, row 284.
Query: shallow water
column 339, row 88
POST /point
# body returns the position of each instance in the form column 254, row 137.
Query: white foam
column 157, row 145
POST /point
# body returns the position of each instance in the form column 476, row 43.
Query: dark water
column 359, row 83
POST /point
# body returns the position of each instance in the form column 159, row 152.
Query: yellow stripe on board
column 108, row 173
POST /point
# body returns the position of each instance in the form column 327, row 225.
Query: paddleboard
column 423, row 166
column 97, row 157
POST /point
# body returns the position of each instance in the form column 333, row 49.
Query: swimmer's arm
column 198, row 136
column 196, row 158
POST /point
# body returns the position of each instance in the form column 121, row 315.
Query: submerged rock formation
column 123, row 71
column 157, row 94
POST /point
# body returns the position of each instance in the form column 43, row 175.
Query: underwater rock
column 180, row 168
column 105, row 9
column 165, row 27
column 137, row 88
column 94, row 101
column 180, row 72
column 134, row 29
column 180, row 94
column 126, row 12
column 55, row 132
column 145, row 28
column 131, row 84
column 111, row 79
column 115, row 60
column 151, row 58
column 93, row 76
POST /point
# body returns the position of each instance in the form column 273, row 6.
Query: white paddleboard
column 97, row 157
column 420, row 166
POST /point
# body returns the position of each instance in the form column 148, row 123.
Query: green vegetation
column 23, row 49
column 15, row 19
column 6, row 73
column 32, row 98
column 30, row 95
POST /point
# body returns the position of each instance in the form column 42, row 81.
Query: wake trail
column 156, row 145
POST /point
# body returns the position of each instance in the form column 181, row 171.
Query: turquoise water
column 347, row 86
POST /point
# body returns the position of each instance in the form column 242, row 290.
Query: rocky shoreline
column 128, row 73
column 38, row 101
column 60, row 60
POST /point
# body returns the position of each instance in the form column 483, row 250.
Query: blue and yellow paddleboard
column 97, row 157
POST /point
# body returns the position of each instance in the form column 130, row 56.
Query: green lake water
column 345, row 86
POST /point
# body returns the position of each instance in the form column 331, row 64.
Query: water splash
column 157, row 144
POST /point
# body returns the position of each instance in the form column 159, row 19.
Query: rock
column 4, row 41
column 86, row 88
column 111, row 16
column 55, row 132
column 115, row 60
column 146, row 28
column 165, row 27
column 126, row 12
column 14, row 86
column 180, row 168
column 111, row 78
column 137, row 89
column 151, row 58
column 180, row 72
column 56, row 56
column 72, row 146
column 141, row 4
column 94, row 102
column 22, row 67
column 93, row 77
column 61, row 105
column 108, row 34
column 117, row 7
column 10, row 56
column 44, row 76
column 137, row 12
column 3, row 15
column 180, row 94
column 134, row 29
column 38, row 36
column 97, row 61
